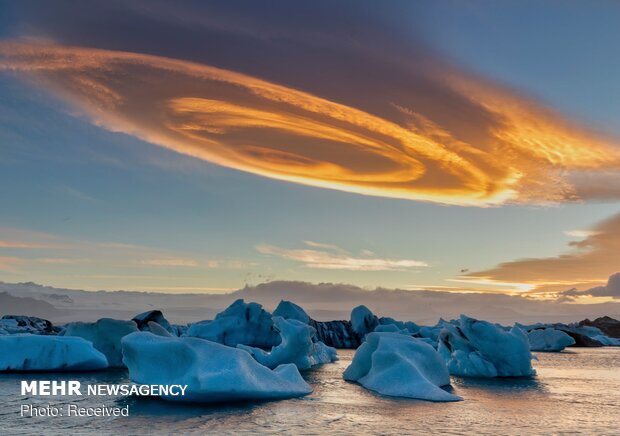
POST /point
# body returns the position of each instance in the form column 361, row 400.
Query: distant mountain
column 322, row 301
column 11, row 305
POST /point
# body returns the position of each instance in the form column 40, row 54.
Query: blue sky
column 86, row 207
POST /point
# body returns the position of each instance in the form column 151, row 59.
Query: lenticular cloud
column 523, row 154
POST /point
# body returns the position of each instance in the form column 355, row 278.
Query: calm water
column 576, row 391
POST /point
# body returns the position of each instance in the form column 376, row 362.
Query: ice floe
column 26, row 352
column 12, row 324
column 290, row 310
column 549, row 339
column 144, row 320
column 474, row 348
column 105, row 334
column 240, row 323
column 363, row 320
column 212, row 372
column 402, row 366
column 296, row 347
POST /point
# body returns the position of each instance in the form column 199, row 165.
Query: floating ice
column 12, row 324
column 607, row 341
column 475, row 348
column 143, row 321
column 240, row 323
column 158, row 329
column 391, row 328
column 583, row 335
column 105, row 334
column 338, row 334
column 212, row 372
column 25, row 352
column 401, row 366
column 363, row 320
column 410, row 326
column 549, row 339
column 296, row 347
column 290, row 310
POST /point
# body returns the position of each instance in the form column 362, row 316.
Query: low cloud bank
column 611, row 289
column 324, row 301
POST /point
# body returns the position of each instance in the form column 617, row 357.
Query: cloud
column 446, row 136
column 323, row 301
column 580, row 233
column 12, row 238
column 588, row 262
column 122, row 246
column 173, row 262
column 334, row 257
column 611, row 289
column 61, row 260
column 8, row 263
column 19, row 244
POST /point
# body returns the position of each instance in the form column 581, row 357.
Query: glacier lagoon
column 575, row 391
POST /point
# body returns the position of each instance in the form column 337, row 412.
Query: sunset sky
column 201, row 146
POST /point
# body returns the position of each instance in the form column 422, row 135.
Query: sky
column 204, row 146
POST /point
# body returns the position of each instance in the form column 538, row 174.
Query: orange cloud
column 588, row 264
column 526, row 154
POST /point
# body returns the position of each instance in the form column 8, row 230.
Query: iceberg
column 549, row 339
column 157, row 329
column 105, row 334
column 412, row 327
column 290, row 310
column 338, row 334
column 26, row 352
column 583, row 335
column 12, row 324
column 143, row 321
column 363, row 320
column 241, row 323
column 474, row 348
column 607, row 341
column 296, row 347
column 391, row 328
column 212, row 372
column 398, row 365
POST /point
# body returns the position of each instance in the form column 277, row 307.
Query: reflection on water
column 576, row 391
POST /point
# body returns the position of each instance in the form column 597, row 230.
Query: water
column 576, row 391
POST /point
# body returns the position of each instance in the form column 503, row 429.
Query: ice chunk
column 607, row 341
column 476, row 348
column 549, row 339
column 26, row 352
column 401, row 366
column 296, row 347
column 338, row 334
column 240, row 323
column 410, row 326
column 12, row 324
column 289, row 310
column 157, row 329
column 143, row 319
column 363, row 320
column 212, row 372
column 391, row 328
column 105, row 334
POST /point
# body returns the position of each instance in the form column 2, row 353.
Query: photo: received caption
column 29, row 410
